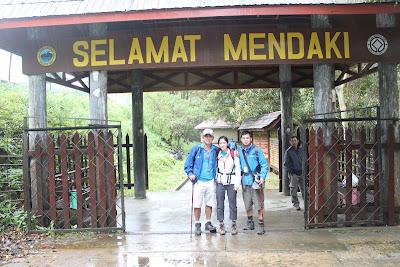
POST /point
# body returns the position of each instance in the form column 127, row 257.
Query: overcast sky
column 16, row 68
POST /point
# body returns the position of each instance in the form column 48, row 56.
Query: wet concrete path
column 169, row 212
column 158, row 236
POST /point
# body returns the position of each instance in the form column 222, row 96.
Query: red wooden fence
column 356, row 151
column 93, row 185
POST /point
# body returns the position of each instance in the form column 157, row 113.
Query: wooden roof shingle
column 260, row 122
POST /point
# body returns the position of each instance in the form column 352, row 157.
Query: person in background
column 293, row 163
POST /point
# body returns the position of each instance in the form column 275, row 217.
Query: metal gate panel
column 70, row 177
column 342, row 170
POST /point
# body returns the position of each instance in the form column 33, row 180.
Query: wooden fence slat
column 64, row 180
column 101, row 180
column 348, row 189
column 58, row 155
column 320, row 176
column 92, row 179
column 52, row 178
column 37, row 174
column 78, row 178
column 362, row 162
column 26, row 176
column 377, row 175
column 390, row 155
column 334, row 172
column 312, row 168
column 111, row 181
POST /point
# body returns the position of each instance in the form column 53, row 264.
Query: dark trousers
column 221, row 201
column 296, row 181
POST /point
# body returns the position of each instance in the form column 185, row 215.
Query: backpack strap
column 197, row 152
column 256, row 153
column 258, row 168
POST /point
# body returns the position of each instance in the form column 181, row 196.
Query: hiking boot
column 260, row 230
column 249, row 225
column 297, row 206
column 234, row 230
column 222, row 230
column 197, row 230
column 209, row 228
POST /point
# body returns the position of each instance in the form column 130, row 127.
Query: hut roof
column 216, row 124
column 261, row 122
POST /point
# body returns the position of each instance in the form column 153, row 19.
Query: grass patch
column 165, row 173
column 272, row 181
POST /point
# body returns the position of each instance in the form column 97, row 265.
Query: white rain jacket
column 228, row 170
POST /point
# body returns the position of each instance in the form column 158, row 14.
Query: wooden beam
column 67, row 84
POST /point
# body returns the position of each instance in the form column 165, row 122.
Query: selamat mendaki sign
column 210, row 47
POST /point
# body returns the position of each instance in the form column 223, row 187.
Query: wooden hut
column 220, row 127
column 265, row 135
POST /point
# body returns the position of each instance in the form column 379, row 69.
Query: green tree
column 172, row 117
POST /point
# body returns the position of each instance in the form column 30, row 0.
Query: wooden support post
column 99, row 115
column 324, row 78
column 285, row 80
column 37, row 119
column 98, row 84
column 138, row 134
column 324, row 88
column 389, row 104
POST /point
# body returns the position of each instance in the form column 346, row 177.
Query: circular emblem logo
column 377, row 44
column 46, row 56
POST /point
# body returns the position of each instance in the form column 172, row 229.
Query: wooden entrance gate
column 73, row 177
column 345, row 184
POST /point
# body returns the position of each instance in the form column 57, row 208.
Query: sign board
column 219, row 46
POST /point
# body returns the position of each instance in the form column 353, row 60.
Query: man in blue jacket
column 254, row 167
column 200, row 167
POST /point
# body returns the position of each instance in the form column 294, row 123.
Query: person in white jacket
column 228, row 178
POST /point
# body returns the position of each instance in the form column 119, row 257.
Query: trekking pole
column 261, row 203
column 191, row 215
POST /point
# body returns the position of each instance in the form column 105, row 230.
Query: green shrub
column 10, row 215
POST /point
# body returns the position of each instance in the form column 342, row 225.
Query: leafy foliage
column 237, row 105
column 363, row 92
column 11, row 215
column 172, row 117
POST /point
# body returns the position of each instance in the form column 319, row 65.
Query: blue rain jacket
column 194, row 160
column 248, row 179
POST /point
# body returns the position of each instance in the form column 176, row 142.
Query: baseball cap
column 208, row 131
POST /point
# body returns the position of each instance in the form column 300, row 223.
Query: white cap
column 208, row 131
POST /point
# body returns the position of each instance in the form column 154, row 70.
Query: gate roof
column 31, row 13
column 44, row 8
column 63, row 18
